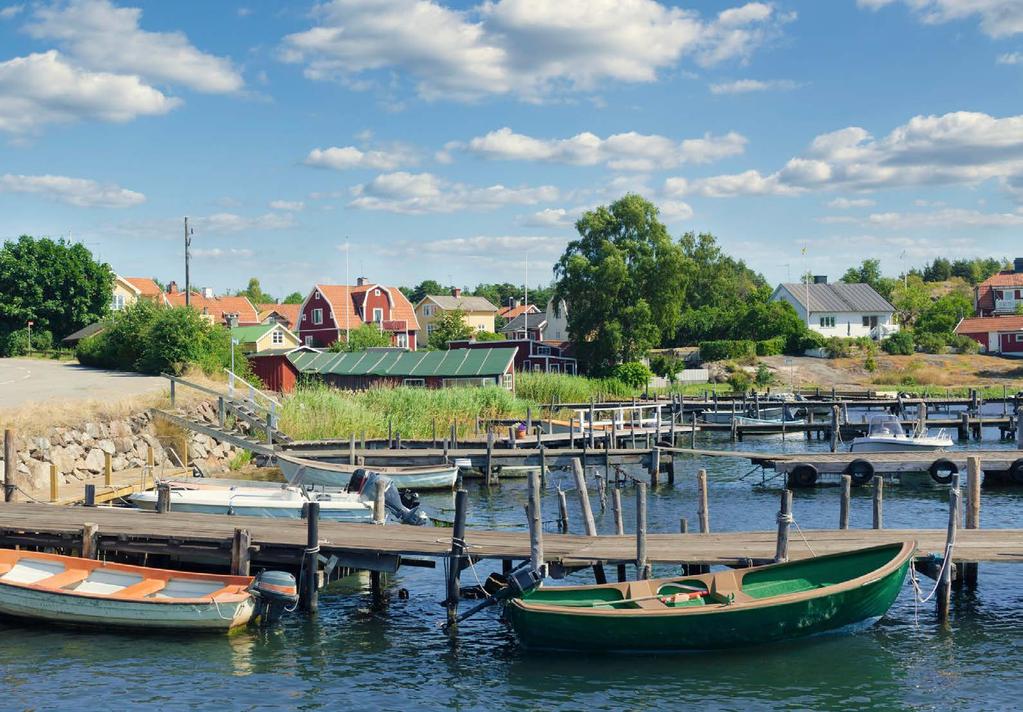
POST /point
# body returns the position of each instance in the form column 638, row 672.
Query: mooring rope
column 788, row 518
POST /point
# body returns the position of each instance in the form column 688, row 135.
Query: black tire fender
column 861, row 471
column 943, row 465
column 1016, row 471
column 803, row 475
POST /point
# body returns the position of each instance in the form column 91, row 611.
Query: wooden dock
column 207, row 540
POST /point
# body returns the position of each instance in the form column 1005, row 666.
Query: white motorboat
column 279, row 503
column 76, row 591
column 885, row 434
column 302, row 471
column 724, row 417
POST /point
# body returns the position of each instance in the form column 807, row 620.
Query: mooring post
column 90, row 540
column 240, row 544
column 571, row 433
column 311, row 558
column 454, row 435
column 511, row 437
column 54, row 483
column 390, row 434
column 616, row 510
column 703, row 510
column 843, row 510
column 878, row 502
column 973, row 474
column 433, row 434
column 351, row 449
column 834, row 428
column 964, row 426
column 642, row 567
column 602, row 492
column 10, row 467
column 692, row 433
column 945, row 583
column 529, row 419
column 592, row 432
column 671, row 429
column 397, row 440
column 587, row 513
column 163, row 503
column 781, row 549
column 535, row 522
column 655, row 465
column 607, row 459
column 108, row 470
column 488, row 470
column 562, row 512
column 1019, row 428
column 457, row 554
column 683, row 525
column 379, row 510
column 543, row 464
column 221, row 412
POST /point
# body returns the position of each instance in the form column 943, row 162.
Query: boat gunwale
column 906, row 552
column 234, row 589
column 383, row 470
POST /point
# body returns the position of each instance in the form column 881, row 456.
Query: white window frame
column 376, row 319
column 309, row 341
column 508, row 381
column 414, row 382
column 481, row 327
column 376, row 292
column 827, row 322
column 401, row 340
column 117, row 303
column 427, row 310
column 277, row 338
column 317, row 316
column 429, row 329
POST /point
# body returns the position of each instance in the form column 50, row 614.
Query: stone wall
column 80, row 453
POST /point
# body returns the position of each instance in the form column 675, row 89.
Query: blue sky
column 453, row 141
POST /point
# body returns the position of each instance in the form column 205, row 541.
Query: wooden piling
column 945, row 583
column 655, row 465
column 54, row 483
column 642, row 567
column 843, row 511
column 163, row 501
column 1019, row 428
column 488, row 469
column 692, row 433
column 379, row 510
column 221, row 412
column 834, row 428
column 150, row 456
column 562, row 512
column 964, row 426
column 703, row 509
column 781, row 549
column 90, row 540
column 311, row 559
column 10, row 467
column 90, row 496
column 973, row 475
column 511, row 437
column 602, row 493
column 433, row 434
column 571, row 433
column 457, row 554
column 535, row 522
column 616, row 507
column 240, row 545
column 351, row 449
column 584, row 497
column 878, row 502
column 108, row 470
column 592, row 433
column 454, row 435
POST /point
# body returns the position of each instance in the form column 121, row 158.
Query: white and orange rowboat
column 75, row 591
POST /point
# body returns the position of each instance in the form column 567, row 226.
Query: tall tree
column 625, row 282
column 427, row 286
column 255, row 293
column 294, row 298
column 362, row 338
column 910, row 298
column 869, row 272
column 449, row 326
column 54, row 283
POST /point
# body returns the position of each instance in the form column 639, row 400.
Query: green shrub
column 838, row 347
column 964, row 344
column 899, row 344
column 488, row 336
column 740, row 381
column 633, row 374
column 722, row 350
column 764, row 377
column 870, row 363
column 565, row 388
column 931, row 343
column 666, row 365
column 771, row 347
column 807, row 341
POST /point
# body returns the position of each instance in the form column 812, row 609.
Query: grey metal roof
column 448, row 302
column 534, row 321
column 839, row 297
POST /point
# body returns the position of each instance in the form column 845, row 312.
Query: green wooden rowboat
column 724, row 609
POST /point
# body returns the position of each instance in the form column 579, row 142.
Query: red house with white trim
column 331, row 309
column 1001, row 293
column 995, row 334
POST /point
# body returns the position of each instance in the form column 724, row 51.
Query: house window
column 376, row 292
column 427, row 310
column 303, row 316
column 537, row 368
column 277, row 339
column 416, row 382
column 308, row 341
column 401, row 340
column 117, row 303
column 378, row 314
column 481, row 327
column 508, row 381
column 317, row 316
column 429, row 329
column 543, row 350
column 828, row 322
column 555, row 368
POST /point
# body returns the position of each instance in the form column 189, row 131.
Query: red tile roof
column 217, row 307
column 146, row 286
column 288, row 311
column 985, row 295
column 512, row 312
column 344, row 300
column 987, row 324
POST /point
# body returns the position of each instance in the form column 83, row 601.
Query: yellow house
column 128, row 290
column 265, row 337
column 479, row 312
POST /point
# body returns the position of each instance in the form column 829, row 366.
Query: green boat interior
column 722, row 587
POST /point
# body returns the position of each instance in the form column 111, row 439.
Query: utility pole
column 188, row 244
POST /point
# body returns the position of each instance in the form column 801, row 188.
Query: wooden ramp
column 206, row 539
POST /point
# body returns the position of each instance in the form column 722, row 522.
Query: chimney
column 820, row 279
column 360, row 281
column 232, row 321
column 1017, row 265
column 207, row 292
column 456, row 292
column 513, row 302
column 172, row 287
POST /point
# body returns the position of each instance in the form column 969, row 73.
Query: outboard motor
column 365, row 484
column 275, row 592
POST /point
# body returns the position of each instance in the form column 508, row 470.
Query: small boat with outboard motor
column 304, row 471
column 886, row 434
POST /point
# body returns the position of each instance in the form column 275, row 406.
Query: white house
column 557, row 320
column 844, row 310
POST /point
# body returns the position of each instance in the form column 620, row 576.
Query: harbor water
column 350, row 656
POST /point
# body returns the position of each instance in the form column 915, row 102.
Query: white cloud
column 956, row 148
column 552, row 217
column 629, row 151
column 289, row 205
column 745, row 86
column 674, row 210
column 998, row 18
column 947, row 218
column 348, row 157
column 220, row 252
column 847, row 203
column 1010, row 58
column 232, row 222
column 44, row 88
column 526, row 48
column 488, row 246
column 102, row 37
column 10, row 11
column 415, row 193
column 82, row 192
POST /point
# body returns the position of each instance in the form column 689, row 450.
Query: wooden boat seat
column 64, row 579
column 142, row 589
column 641, row 589
column 725, row 588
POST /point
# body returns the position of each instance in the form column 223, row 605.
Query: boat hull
column 709, row 627
column 898, row 445
column 309, row 472
column 269, row 511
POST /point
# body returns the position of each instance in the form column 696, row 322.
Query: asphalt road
column 24, row 381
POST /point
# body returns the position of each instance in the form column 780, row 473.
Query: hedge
column 723, row 350
column 771, row 347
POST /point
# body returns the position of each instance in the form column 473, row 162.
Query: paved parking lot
column 24, row 381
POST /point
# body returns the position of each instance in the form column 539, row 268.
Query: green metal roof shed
column 362, row 368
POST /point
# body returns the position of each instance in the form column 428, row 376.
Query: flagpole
column 348, row 297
